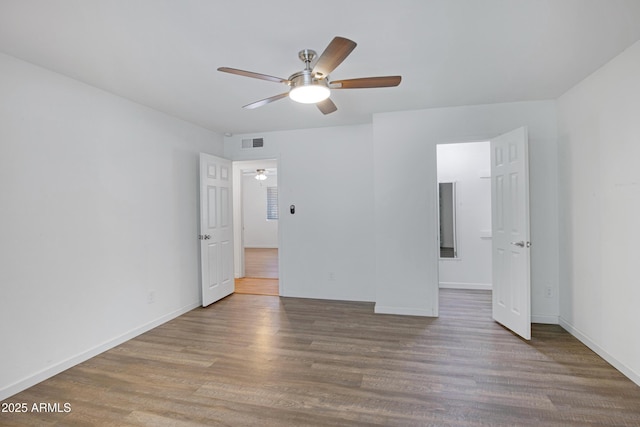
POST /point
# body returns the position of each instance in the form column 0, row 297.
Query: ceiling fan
column 312, row 85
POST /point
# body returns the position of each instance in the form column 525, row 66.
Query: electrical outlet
column 151, row 297
column 548, row 292
column 332, row 276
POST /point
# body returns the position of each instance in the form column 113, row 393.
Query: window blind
column 272, row 202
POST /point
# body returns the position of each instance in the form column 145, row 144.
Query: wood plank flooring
column 261, row 271
column 268, row 361
column 257, row 286
column 261, row 262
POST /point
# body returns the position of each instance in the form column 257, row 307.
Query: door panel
column 510, row 235
column 216, row 228
column 212, row 209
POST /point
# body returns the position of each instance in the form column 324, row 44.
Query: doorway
column 464, row 215
column 509, row 234
column 256, row 238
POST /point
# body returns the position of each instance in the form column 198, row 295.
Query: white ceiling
column 164, row 53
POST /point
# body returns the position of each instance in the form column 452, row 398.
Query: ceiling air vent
column 253, row 143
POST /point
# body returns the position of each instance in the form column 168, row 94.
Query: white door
column 216, row 229
column 510, row 232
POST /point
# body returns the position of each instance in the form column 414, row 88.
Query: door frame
column 458, row 258
column 238, row 213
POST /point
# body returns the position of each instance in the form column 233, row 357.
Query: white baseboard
column 49, row 372
column 260, row 247
column 627, row 371
column 546, row 319
column 404, row 311
column 462, row 285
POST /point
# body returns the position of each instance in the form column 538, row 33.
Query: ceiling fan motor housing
column 307, row 77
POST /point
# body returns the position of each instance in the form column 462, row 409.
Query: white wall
column 469, row 166
column 599, row 193
column 326, row 247
column 99, row 210
column 258, row 231
column 405, row 213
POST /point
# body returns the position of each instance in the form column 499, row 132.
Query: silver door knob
column 204, row 236
column 207, row 237
column 522, row 244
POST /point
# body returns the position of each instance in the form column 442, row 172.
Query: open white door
column 216, row 228
column 510, row 232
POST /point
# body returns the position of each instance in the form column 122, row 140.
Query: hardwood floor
column 257, row 286
column 268, row 361
column 261, row 262
column 261, row 271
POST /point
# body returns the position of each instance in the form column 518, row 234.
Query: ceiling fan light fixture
column 308, row 90
column 260, row 175
column 309, row 94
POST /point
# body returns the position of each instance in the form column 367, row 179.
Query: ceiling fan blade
column 333, row 55
column 327, row 106
column 265, row 101
column 252, row 74
column 367, row 82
